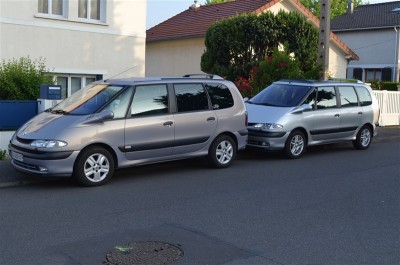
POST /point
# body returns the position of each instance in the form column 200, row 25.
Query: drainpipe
column 396, row 56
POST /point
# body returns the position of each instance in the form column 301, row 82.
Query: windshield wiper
column 59, row 111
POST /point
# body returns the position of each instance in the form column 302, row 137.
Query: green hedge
column 379, row 85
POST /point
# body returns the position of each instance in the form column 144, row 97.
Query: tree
column 338, row 7
column 234, row 45
column 20, row 79
column 211, row 2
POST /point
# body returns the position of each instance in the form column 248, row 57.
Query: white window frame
column 102, row 18
column 69, row 80
column 64, row 9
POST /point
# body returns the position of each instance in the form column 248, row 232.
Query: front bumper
column 55, row 163
column 268, row 141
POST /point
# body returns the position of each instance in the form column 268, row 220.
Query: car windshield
column 87, row 100
column 281, row 95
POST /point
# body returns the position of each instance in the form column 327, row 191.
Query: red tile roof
column 194, row 22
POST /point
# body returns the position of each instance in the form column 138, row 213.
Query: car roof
column 318, row 82
column 191, row 77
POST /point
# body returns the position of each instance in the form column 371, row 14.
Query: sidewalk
column 9, row 177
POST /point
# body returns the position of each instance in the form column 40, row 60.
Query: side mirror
column 245, row 99
column 105, row 115
column 301, row 109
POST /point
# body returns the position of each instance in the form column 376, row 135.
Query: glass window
column 89, row 9
column 281, row 95
column 190, row 97
column 326, row 98
column 87, row 100
column 89, row 80
column 364, row 96
column 348, row 97
column 76, row 84
column 310, row 100
column 119, row 105
column 63, row 81
column 150, row 100
column 221, row 97
column 51, row 7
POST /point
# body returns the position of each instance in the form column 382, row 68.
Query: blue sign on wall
column 14, row 113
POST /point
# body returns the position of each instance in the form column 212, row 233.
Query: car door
column 326, row 117
column 350, row 111
column 195, row 121
column 149, row 128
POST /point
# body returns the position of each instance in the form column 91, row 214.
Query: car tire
column 222, row 152
column 295, row 145
column 94, row 167
column 363, row 138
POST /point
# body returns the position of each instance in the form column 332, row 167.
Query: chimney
column 350, row 7
column 195, row 5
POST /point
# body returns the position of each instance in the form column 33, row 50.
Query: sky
column 161, row 10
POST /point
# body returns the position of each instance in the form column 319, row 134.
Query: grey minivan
column 124, row 122
column 290, row 115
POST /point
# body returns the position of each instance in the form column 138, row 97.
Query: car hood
column 48, row 126
column 266, row 114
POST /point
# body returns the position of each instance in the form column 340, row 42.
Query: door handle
column 168, row 123
column 337, row 115
column 211, row 119
column 360, row 112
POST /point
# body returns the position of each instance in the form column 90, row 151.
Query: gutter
column 396, row 55
column 370, row 28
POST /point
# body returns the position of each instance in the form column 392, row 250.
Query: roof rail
column 208, row 76
column 298, row 81
column 341, row 80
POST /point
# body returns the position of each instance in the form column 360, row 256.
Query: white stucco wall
column 73, row 45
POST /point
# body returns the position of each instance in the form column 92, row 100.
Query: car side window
column 310, row 100
column 363, row 96
column 149, row 100
column 326, row 98
column 119, row 105
column 191, row 97
column 348, row 96
column 221, row 97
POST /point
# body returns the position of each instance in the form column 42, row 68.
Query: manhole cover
column 143, row 253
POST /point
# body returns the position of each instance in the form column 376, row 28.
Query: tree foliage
column 211, row 2
column 338, row 7
column 20, row 79
column 235, row 45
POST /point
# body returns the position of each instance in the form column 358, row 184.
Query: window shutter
column 357, row 73
column 387, row 74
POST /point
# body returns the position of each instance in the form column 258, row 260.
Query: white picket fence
column 389, row 105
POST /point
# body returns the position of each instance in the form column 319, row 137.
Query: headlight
column 268, row 126
column 48, row 143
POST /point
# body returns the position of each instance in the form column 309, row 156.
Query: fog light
column 43, row 169
column 265, row 144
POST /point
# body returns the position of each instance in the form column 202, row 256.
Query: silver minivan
column 290, row 115
column 124, row 122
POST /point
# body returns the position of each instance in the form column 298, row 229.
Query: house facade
column 80, row 40
column 175, row 46
column 372, row 31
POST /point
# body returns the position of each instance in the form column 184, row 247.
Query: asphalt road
column 335, row 206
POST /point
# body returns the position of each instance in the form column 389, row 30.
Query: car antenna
column 121, row 73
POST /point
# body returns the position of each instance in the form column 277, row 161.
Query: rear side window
column 149, row 100
column 364, row 96
column 221, row 97
column 191, row 97
column 326, row 98
column 348, row 97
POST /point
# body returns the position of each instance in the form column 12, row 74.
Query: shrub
column 381, row 85
column 20, row 79
column 3, row 154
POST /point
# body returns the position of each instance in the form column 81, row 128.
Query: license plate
column 17, row 156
